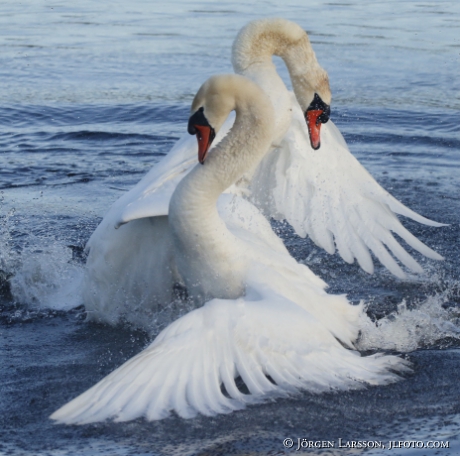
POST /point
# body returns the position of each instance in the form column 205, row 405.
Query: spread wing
column 273, row 345
column 329, row 196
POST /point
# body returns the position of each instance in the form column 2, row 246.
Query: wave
column 20, row 116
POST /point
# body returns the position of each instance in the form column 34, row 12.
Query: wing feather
column 185, row 368
column 329, row 196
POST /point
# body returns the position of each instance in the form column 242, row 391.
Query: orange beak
column 314, row 127
column 316, row 114
column 204, row 135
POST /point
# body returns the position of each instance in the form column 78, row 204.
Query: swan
column 325, row 194
column 266, row 318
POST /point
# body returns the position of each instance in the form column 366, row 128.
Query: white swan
column 267, row 319
column 325, row 194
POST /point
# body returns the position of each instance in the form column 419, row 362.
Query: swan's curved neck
column 260, row 40
column 205, row 249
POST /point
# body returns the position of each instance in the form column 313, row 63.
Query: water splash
column 421, row 324
column 48, row 278
column 8, row 258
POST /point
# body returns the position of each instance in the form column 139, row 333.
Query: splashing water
column 414, row 326
column 7, row 256
column 48, row 278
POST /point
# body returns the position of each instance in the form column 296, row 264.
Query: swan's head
column 198, row 125
column 311, row 85
column 314, row 96
column 316, row 114
column 211, row 106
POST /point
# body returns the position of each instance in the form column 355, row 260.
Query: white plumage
column 324, row 194
column 267, row 318
column 251, row 337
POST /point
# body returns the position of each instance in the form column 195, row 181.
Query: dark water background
column 91, row 96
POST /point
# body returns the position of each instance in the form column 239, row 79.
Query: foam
column 48, row 278
column 419, row 325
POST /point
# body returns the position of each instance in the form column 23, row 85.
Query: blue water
column 92, row 96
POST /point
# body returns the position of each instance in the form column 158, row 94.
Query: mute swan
column 325, row 194
column 265, row 315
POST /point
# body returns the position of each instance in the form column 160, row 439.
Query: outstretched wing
column 192, row 367
column 329, row 196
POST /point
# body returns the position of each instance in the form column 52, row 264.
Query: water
column 93, row 95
